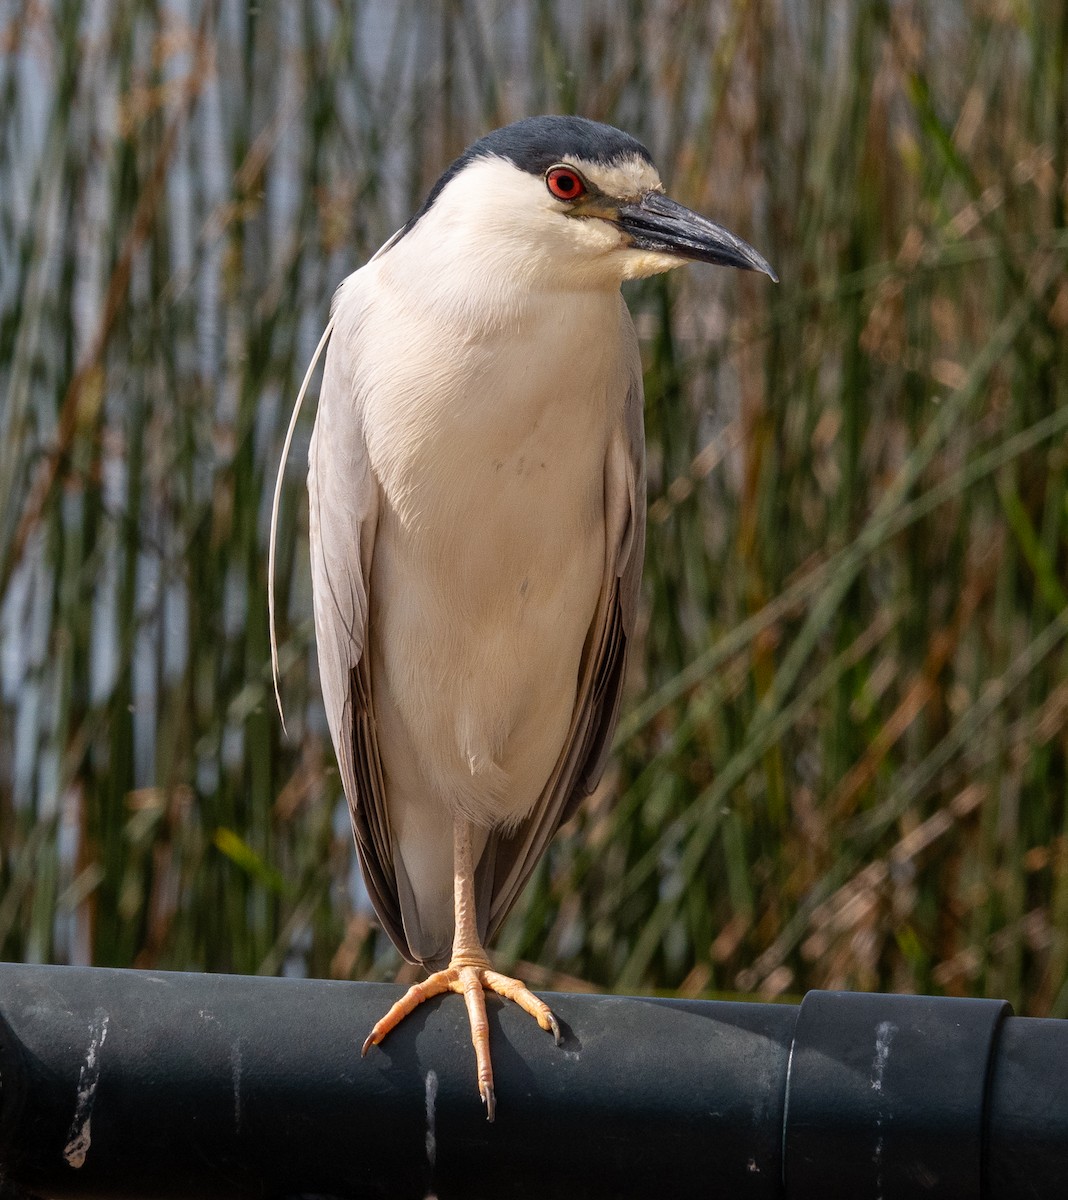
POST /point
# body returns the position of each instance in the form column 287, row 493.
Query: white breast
column 489, row 555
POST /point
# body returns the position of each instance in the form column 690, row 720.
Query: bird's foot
column 470, row 980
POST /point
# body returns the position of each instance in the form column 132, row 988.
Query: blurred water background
column 843, row 758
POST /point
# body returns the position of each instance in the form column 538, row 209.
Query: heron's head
column 571, row 200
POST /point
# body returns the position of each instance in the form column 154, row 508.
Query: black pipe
column 131, row 1083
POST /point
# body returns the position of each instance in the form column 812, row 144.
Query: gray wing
column 508, row 860
column 343, row 511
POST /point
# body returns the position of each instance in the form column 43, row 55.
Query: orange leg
column 470, row 975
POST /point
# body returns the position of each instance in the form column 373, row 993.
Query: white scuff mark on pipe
column 235, row 1077
column 431, row 1117
column 884, row 1035
column 79, row 1137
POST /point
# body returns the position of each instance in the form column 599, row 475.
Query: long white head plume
column 274, row 512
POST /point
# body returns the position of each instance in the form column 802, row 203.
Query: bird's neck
column 489, row 288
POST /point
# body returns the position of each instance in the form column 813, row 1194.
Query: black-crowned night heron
column 477, row 486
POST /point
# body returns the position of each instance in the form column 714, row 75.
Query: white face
column 503, row 218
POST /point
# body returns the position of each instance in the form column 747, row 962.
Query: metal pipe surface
column 153, row 1084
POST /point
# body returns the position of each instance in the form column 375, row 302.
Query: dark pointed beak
column 656, row 222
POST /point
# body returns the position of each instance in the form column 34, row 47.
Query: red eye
column 564, row 183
